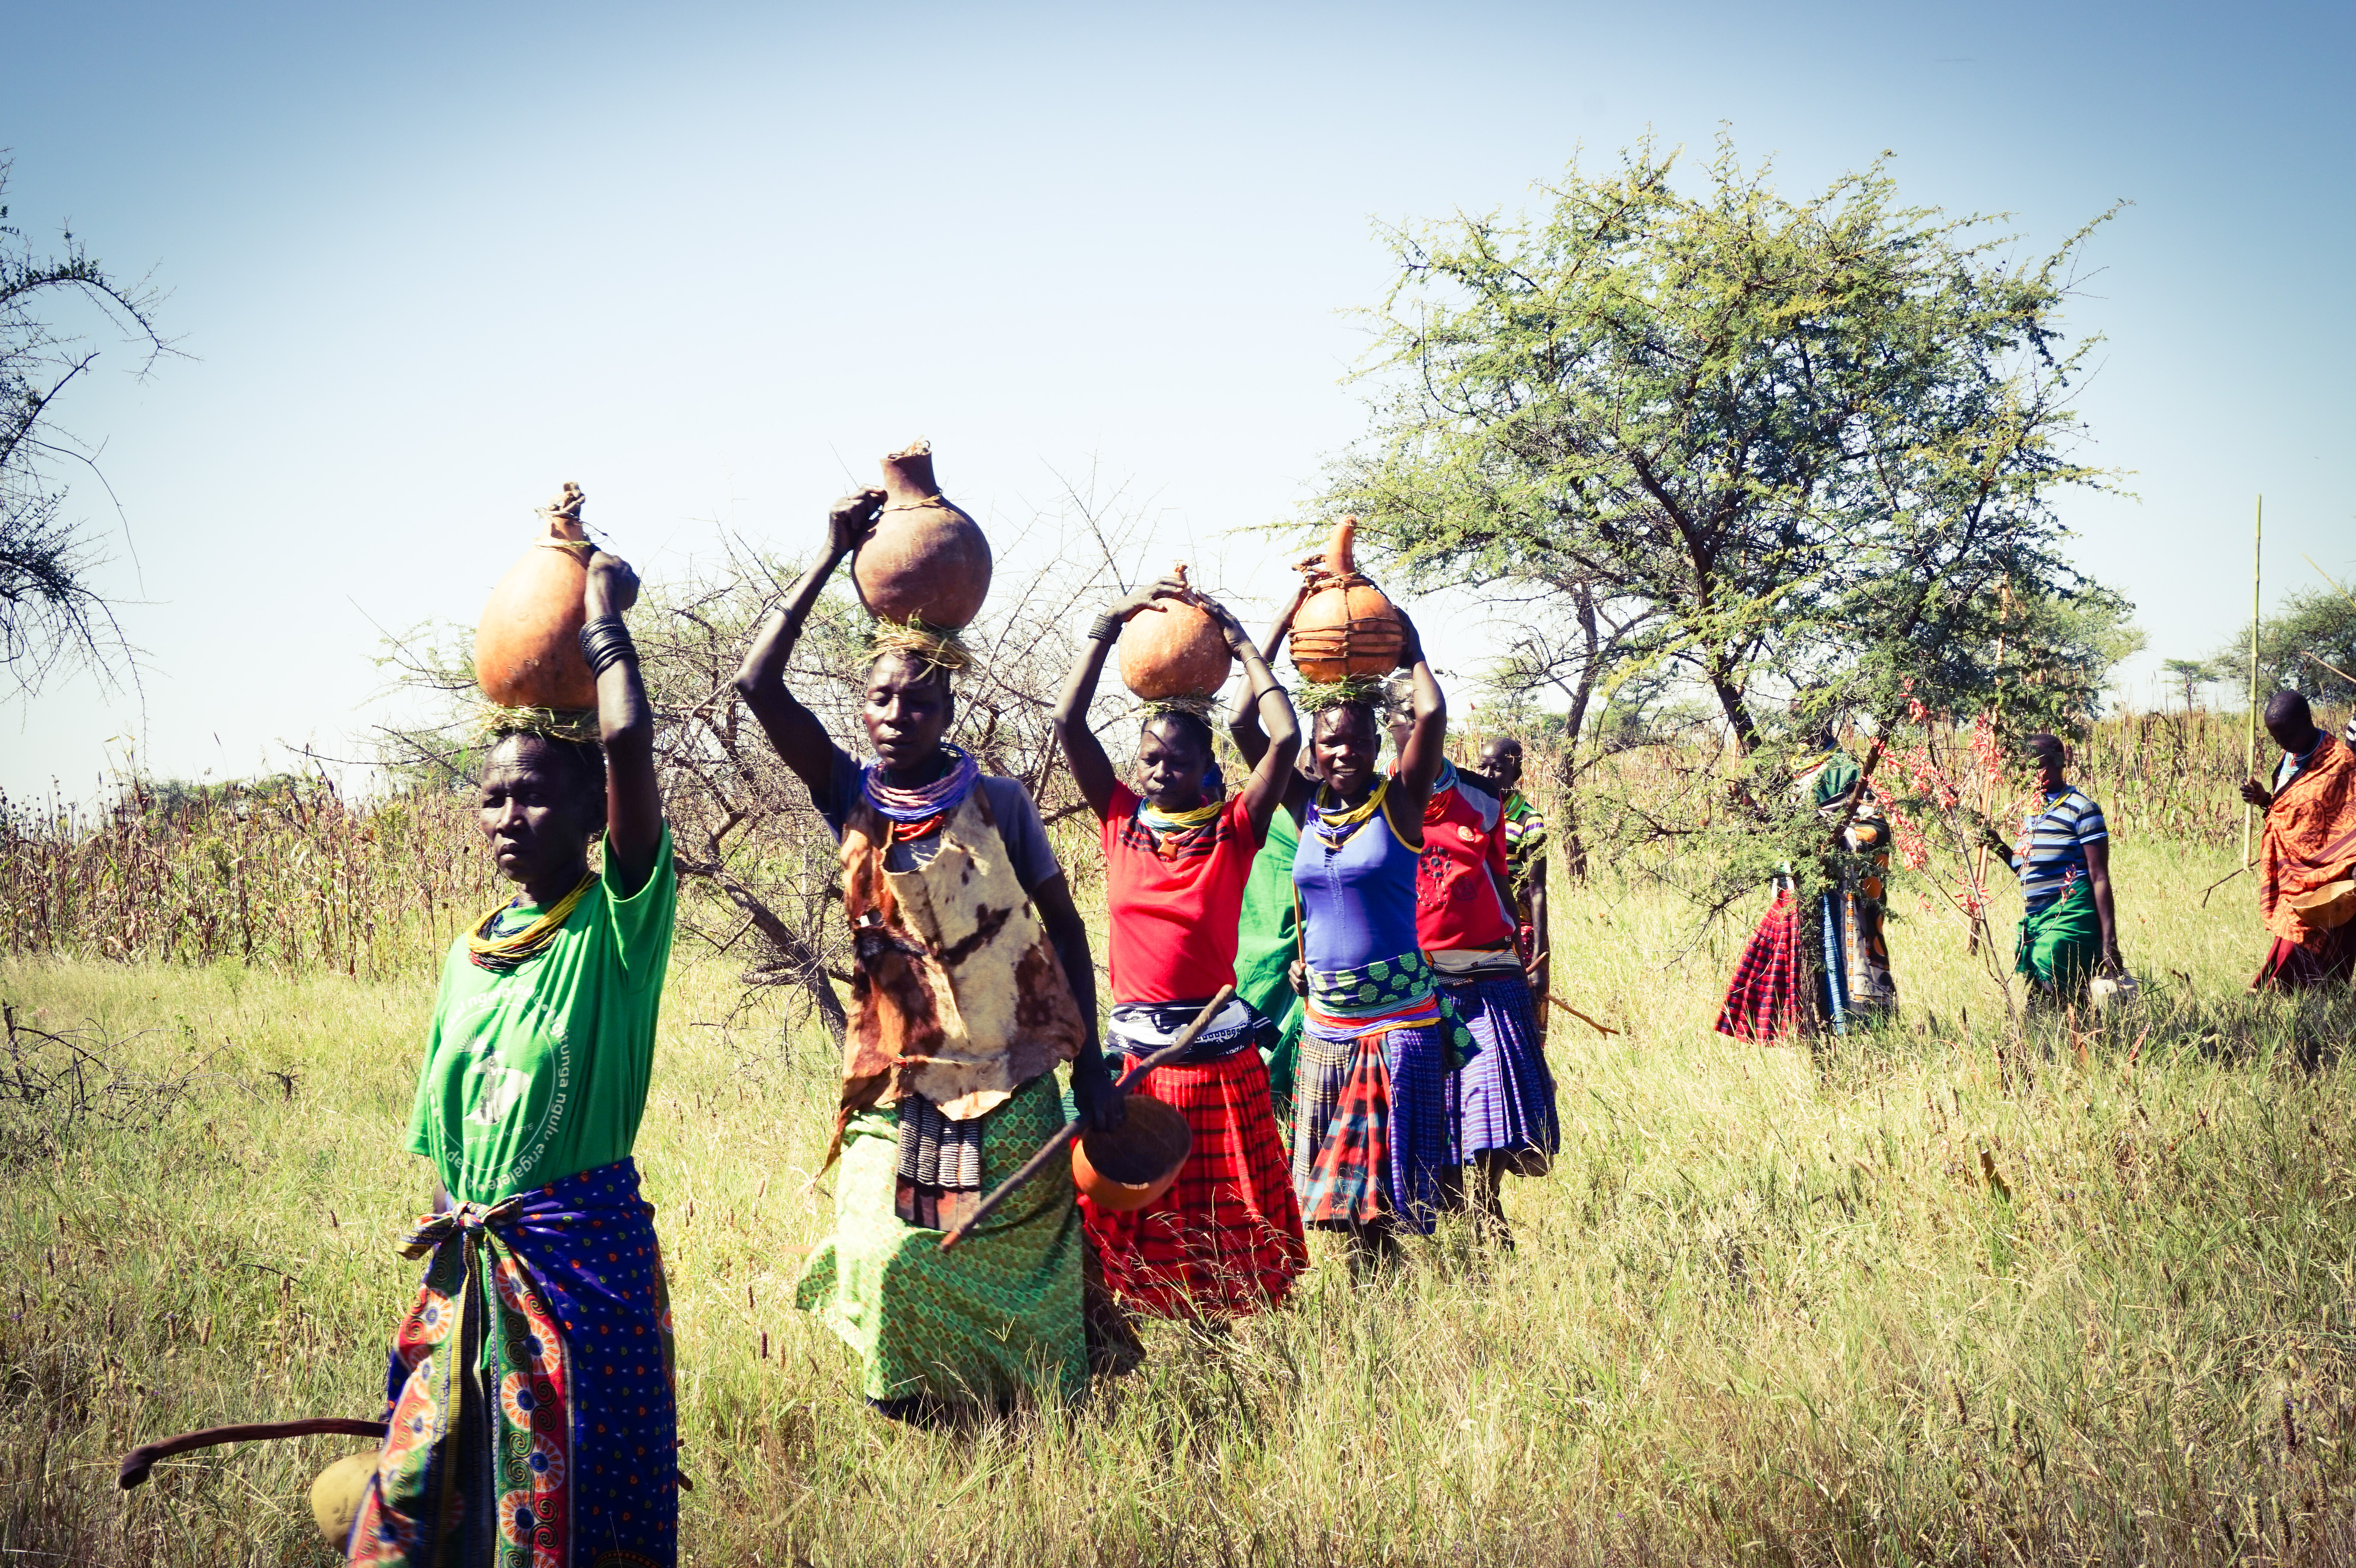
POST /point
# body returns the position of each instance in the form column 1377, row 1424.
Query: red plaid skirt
column 1225, row 1239
column 1763, row 1001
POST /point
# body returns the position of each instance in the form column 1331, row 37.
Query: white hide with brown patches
column 959, row 996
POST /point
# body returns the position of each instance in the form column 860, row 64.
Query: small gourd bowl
column 1135, row 1163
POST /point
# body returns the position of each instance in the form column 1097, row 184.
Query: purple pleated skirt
column 1503, row 1097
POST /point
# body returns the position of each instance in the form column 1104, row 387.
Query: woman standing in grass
column 1502, row 1098
column 532, row 1418
column 2068, row 927
column 1225, row 1238
column 1372, row 1142
column 973, row 982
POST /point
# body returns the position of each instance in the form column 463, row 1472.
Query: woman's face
column 533, row 811
column 907, row 712
column 1346, row 747
column 1171, row 764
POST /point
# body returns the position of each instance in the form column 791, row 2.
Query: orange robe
column 2309, row 842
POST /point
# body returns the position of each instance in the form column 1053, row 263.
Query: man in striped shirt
column 2068, row 926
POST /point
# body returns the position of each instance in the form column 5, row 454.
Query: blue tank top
column 1357, row 903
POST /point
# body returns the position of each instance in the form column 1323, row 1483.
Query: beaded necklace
column 1335, row 827
column 918, row 812
column 502, row 955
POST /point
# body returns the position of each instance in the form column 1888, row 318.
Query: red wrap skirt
column 1227, row 1238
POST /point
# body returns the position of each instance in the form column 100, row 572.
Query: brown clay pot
column 528, row 646
column 1345, row 627
column 1135, row 1163
column 926, row 559
column 1173, row 649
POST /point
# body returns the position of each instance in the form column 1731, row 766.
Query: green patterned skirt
column 999, row 1315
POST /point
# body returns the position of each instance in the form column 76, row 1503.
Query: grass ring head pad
column 1135, row 1163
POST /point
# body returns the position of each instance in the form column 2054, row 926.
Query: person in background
column 531, row 1415
column 1502, row 1098
column 1824, row 968
column 1525, row 864
column 1225, row 1239
column 972, row 983
column 2306, row 854
column 2069, row 925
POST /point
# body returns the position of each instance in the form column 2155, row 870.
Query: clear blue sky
column 431, row 260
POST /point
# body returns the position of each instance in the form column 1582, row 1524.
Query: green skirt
column 999, row 1315
column 2061, row 944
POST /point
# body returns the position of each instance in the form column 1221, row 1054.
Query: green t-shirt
column 541, row 1072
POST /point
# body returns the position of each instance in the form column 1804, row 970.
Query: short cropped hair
column 1190, row 725
column 2288, row 707
column 579, row 766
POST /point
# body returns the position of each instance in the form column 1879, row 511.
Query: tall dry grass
column 2085, row 1293
column 286, row 873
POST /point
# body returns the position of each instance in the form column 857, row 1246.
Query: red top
column 1175, row 904
column 1457, row 904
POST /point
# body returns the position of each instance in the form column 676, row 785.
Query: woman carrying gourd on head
column 972, row 983
column 531, row 1418
column 1373, row 1143
column 1225, row 1238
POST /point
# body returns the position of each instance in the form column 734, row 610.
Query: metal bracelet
column 605, row 642
column 1105, row 628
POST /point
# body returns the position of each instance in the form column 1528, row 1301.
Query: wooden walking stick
column 141, row 1459
column 2250, row 755
column 1062, row 1140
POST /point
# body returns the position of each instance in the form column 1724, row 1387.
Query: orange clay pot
column 1135, row 1163
column 528, row 646
column 1173, row 650
column 926, row 559
column 1345, row 627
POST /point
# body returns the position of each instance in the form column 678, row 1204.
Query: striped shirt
column 2052, row 853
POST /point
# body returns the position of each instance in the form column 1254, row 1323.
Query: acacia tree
column 52, row 619
column 1786, row 446
column 2308, row 645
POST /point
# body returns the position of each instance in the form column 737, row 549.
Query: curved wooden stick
column 1038, row 1162
column 140, row 1460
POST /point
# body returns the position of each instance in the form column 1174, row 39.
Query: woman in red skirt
column 1227, row 1238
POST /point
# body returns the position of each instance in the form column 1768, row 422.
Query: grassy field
column 1962, row 1295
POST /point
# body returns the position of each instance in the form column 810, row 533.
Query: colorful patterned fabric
column 531, row 1415
column 1140, row 1029
column 2061, row 943
column 1371, row 1132
column 998, row 1316
column 1762, row 1002
column 1396, row 992
column 1266, row 945
column 1525, row 847
column 2309, row 842
column 2052, row 855
column 1502, row 1096
column 1460, row 899
column 1225, row 1239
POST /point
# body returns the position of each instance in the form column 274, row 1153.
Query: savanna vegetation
column 1967, row 1290
column 1976, row 1287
